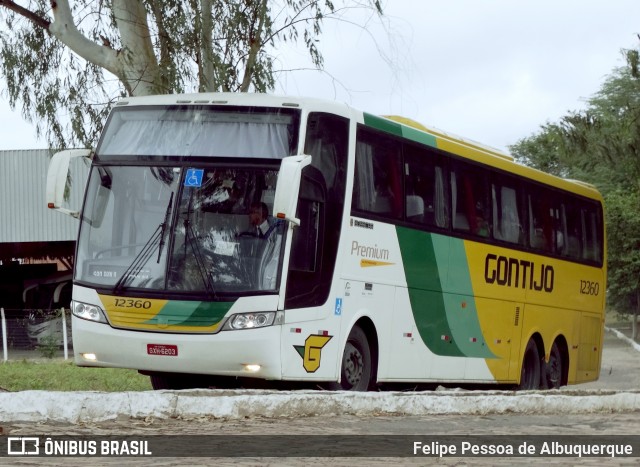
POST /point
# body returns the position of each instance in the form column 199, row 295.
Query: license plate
column 162, row 349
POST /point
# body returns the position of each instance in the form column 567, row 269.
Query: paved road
column 620, row 369
column 620, row 372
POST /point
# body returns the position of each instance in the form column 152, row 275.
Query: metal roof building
column 28, row 229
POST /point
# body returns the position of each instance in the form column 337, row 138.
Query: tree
column 67, row 62
column 542, row 151
column 601, row 145
column 623, row 218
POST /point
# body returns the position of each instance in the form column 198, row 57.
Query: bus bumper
column 246, row 353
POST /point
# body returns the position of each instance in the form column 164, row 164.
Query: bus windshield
column 158, row 228
column 169, row 200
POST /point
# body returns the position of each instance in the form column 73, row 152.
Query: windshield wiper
column 199, row 260
column 139, row 261
column 155, row 241
column 163, row 227
column 191, row 239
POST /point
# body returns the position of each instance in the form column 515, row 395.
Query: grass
column 58, row 375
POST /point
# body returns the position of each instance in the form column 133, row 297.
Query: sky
column 488, row 70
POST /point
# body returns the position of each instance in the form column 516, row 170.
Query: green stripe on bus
column 425, row 291
column 382, row 124
column 462, row 312
column 191, row 313
column 208, row 314
column 447, row 323
column 397, row 129
column 419, row 136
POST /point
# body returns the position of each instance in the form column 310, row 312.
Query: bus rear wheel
column 531, row 368
column 355, row 373
column 555, row 368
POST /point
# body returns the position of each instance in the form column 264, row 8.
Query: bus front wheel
column 531, row 367
column 355, row 373
column 161, row 381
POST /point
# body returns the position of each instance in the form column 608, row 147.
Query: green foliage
column 65, row 107
column 542, row 151
column 623, row 218
column 601, row 145
column 187, row 46
column 48, row 347
column 56, row 375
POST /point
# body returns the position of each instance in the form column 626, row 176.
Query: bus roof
column 449, row 136
column 228, row 98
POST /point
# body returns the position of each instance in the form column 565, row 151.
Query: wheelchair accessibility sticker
column 193, row 178
column 338, row 309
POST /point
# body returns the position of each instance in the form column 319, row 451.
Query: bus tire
column 531, row 368
column 356, row 366
column 555, row 368
column 161, row 381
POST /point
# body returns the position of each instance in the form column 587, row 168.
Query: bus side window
column 559, row 225
column 540, row 223
column 469, row 200
column 426, row 199
column 591, row 235
column 459, row 218
column 505, row 201
column 377, row 187
column 363, row 190
column 547, row 221
column 573, row 230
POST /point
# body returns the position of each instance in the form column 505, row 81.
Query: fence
column 30, row 333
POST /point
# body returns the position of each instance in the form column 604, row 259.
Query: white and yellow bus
column 392, row 253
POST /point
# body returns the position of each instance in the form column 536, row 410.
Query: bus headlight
column 259, row 319
column 88, row 312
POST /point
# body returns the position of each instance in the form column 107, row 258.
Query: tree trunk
column 141, row 71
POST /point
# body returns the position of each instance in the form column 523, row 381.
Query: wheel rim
column 353, row 365
column 555, row 369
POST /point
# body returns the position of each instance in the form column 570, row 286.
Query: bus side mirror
column 288, row 187
column 57, row 178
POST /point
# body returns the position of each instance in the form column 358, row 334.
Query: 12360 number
column 132, row 303
column 589, row 288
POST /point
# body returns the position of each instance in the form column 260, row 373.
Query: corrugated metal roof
column 24, row 216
